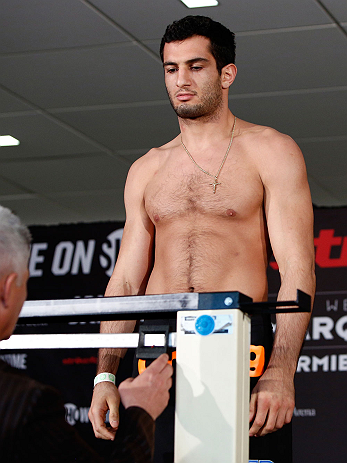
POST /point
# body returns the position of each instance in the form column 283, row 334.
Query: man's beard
column 211, row 101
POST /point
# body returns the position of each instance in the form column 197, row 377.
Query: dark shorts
column 275, row 447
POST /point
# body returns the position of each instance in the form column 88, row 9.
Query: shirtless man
column 204, row 210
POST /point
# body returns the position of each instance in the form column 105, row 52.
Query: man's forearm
column 291, row 328
column 108, row 359
column 289, row 337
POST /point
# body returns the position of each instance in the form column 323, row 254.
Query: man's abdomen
column 208, row 262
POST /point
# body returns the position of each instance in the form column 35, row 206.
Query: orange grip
column 141, row 365
column 256, row 366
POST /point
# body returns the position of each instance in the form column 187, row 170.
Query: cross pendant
column 214, row 184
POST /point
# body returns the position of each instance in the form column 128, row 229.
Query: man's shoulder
column 264, row 136
column 11, row 374
column 13, row 380
column 153, row 158
column 159, row 152
column 275, row 139
column 143, row 170
column 19, row 394
column 266, row 144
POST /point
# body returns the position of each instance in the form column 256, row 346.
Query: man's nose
column 183, row 78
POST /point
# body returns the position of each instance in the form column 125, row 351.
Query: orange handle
column 141, row 366
column 256, row 366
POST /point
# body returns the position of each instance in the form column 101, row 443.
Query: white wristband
column 104, row 377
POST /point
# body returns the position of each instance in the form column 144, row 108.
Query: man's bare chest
column 186, row 191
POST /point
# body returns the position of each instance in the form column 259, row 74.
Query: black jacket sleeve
column 47, row 437
column 33, row 427
column 134, row 442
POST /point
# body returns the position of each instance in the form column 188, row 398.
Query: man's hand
column 105, row 397
column 150, row 390
column 272, row 402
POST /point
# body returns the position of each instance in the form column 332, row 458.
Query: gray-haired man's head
column 15, row 241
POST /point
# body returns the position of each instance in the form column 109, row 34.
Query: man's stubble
column 209, row 106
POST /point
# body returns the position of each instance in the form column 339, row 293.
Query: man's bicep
column 134, row 262
column 135, row 257
column 289, row 212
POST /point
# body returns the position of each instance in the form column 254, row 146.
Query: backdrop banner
column 76, row 260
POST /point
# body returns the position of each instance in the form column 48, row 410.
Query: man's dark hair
column 222, row 40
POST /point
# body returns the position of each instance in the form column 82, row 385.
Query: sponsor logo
column 324, row 244
column 75, row 257
column 305, row 412
column 327, row 245
column 80, row 361
column 15, row 360
column 111, row 249
column 327, row 328
column 327, row 331
column 74, row 414
column 313, row 363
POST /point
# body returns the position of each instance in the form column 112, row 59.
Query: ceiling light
column 7, row 140
column 199, row 3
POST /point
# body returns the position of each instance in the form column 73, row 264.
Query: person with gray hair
column 15, row 241
column 32, row 415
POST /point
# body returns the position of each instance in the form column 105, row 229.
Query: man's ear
column 8, row 284
column 228, row 75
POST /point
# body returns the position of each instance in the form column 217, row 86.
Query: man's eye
column 196, row 68
column 170, row 70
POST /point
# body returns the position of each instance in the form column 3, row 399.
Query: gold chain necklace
column 215, row 177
